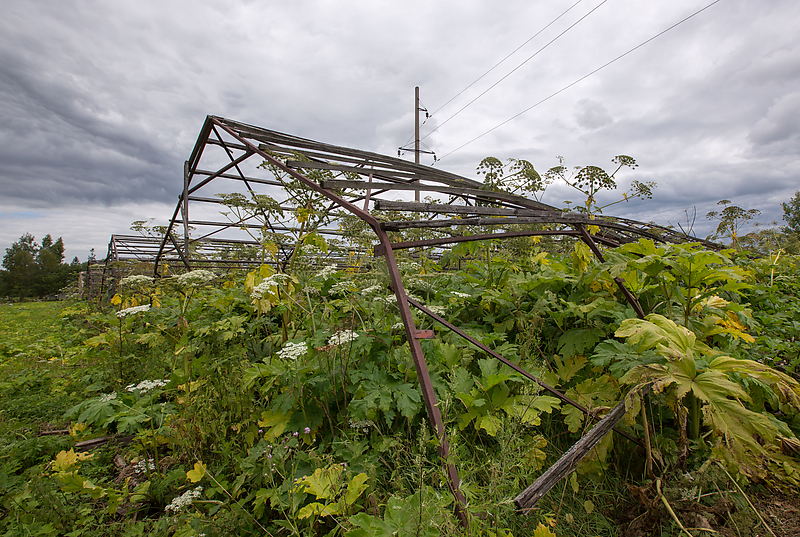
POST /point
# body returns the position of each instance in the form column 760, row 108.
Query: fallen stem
column 669, row 508
column 746, row 497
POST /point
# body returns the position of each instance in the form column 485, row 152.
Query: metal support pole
column 185, row 210
column 416, row 133
column 426, row 385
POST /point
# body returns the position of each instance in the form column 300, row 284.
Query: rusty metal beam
column 488, row 236
column 515, row 367
column 587, row 238
column 426, row 385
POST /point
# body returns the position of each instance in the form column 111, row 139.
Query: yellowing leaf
column 265, row 271
column 66, row 459
column 314, row 508
column 543, row 531
column 106, row 338
column 197, row 473
column 324, row 483
column 355, row 487
column 581, row 257
column 302, row 214
column 274, row 422
column 76, row 429
column 489, row 423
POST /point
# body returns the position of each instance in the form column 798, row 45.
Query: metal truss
column 279, row 176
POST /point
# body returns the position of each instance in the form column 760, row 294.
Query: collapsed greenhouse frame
column 357, row 183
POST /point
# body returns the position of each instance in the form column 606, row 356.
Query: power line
column 515, row 69
column 492, row 69
column 507, row 57
column 579, row 80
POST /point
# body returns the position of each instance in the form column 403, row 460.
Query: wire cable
column 579, row 80
column 487, row 90
column 495, row 66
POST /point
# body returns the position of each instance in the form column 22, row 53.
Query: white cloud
column 100, row 103
column 591, row 114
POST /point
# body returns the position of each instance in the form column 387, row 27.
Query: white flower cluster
column 461, row 295
column 179, row 502
column 391, row 299
column 132, row 311
column 409, row 265
column 341, row 287
column 398, row 326
column 377, row 288
column 422, row 284
column 438, row 310
column 136, row 279
column 264, row 287
column 293, row 351
column 106, row 397
column 146, row 385
column 327, row 272
column 342, row 337
column 144, row 465
column 364, row 425
column 196, row 278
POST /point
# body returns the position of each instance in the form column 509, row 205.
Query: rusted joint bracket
column 424, row 334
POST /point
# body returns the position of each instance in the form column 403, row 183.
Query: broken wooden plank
column 57, row 431
column 547, row 217
column 386, row 205
column 527, row 499
column 487, row 195
column 378, row 172
column 87, row 445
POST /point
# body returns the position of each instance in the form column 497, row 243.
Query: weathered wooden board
column 527, row 499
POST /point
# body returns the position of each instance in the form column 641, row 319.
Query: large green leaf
column 578, row 340
column 620, row 357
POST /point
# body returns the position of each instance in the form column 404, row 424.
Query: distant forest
column 31, row 270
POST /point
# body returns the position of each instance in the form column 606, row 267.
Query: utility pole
column 416, row 134
column 417, row 150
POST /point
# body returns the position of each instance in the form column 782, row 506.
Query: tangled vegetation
column 287, row 404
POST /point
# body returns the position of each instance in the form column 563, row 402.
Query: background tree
column 32, row 270
column 791, row 213
column 20, row 267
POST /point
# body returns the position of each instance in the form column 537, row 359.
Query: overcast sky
column 101, row 102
